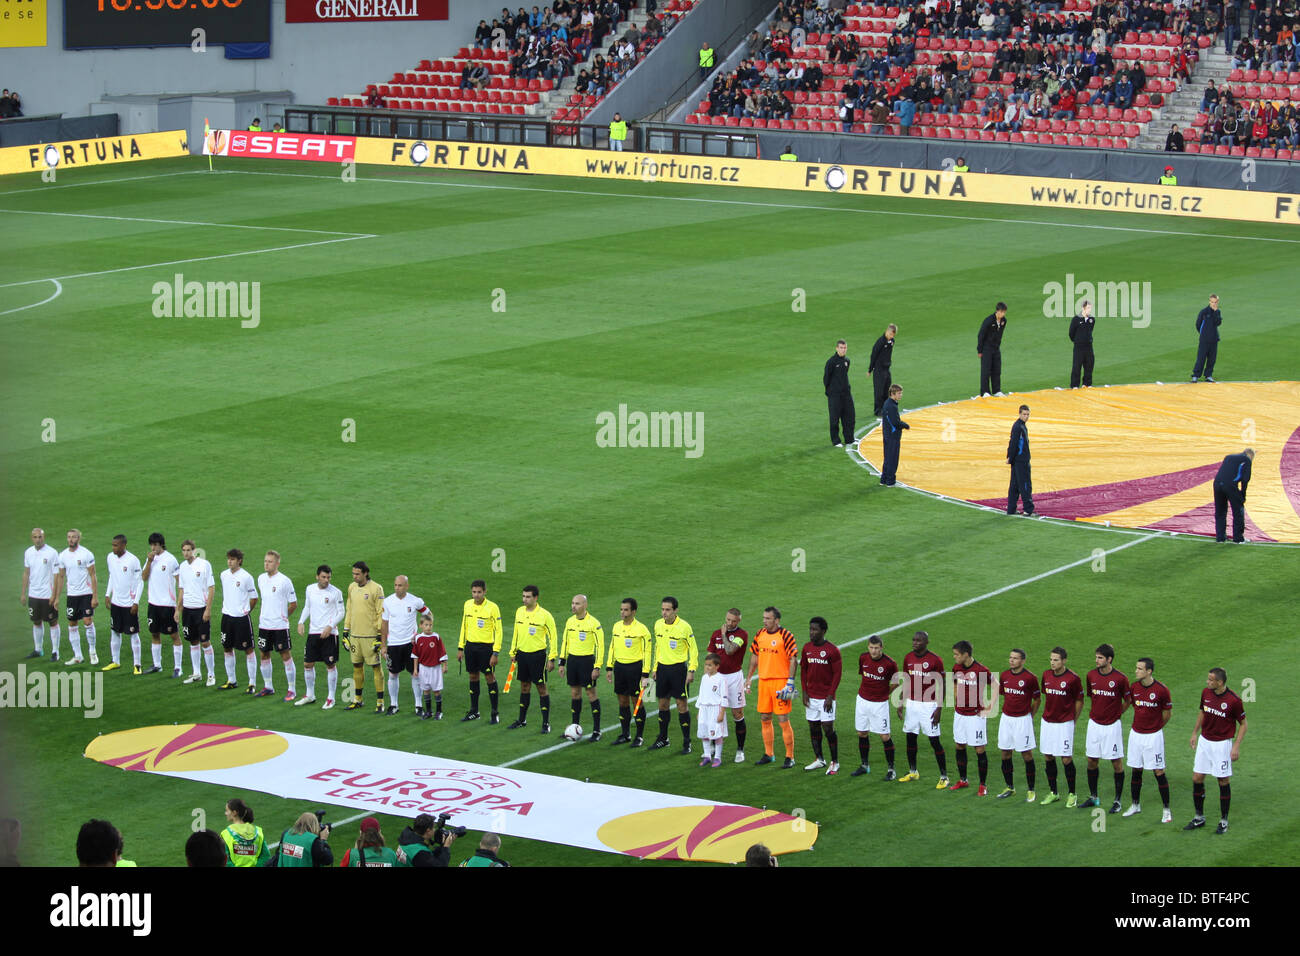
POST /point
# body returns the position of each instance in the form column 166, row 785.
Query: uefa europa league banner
column 533, row 806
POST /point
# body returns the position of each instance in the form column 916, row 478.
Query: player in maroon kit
column 1216, row 747
column 1108, row 691
column 871, row 714
column 729, row 642
column 1062, row 704
column 922, row 705
column 819, row 677
column 1020, row 700
column 973, row 685
column 1152, row 708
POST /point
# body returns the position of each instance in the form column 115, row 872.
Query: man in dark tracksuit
column 989, row 348
column 1018, row 459
column 1207, row 323
column 1234, row 472
column 839, row 398
column 882, row 354
column 891, row 429
column 1081, row 335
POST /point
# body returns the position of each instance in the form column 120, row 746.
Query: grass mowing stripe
column 183, row 222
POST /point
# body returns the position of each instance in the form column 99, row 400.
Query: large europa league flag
column 641, row 823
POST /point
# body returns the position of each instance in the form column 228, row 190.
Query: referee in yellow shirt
column 628, row 669
column 361, row 623
column 676, row 656
column 582, row 651
column 532, row 648
column 479, row 646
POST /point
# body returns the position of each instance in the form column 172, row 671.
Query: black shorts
column 478, row 656
column 79, row 607
column 236, row 633
column 323, row 649
column 627, row 679
column 577, row 670
column 41, row 612
column 123, row 620
column 193, row 626
column 162, row 620
column 531, row 666
column 400, row 659
column 269, row 640
column 670, row 680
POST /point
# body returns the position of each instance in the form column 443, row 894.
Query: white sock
column 266, row 675
column 38, row 638
column 228, row 659
column 135, row 649
column 210, row 657
column 250, row 665
column 291, row 674
column 155, row 650
column 54, row 636
column 332, row 676
column 195, row 653
column 90, row 642
column 176, row 656
column 309, row 675
column 74, row 638
column 415, row 691
column 115, row 646
column 393, row 687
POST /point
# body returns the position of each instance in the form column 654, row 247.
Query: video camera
column 320, row 820
column 440, row 827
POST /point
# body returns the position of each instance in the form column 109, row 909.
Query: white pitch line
column 916, row 620
column 58, row 290
column 181, row 222
column 179, row 262
column 98, row 182
column 778, row 205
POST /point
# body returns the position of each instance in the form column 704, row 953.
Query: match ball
column 573, row 732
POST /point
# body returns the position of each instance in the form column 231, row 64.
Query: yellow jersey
column 675, row 643
column 365, row 607
column 583, row 638
column 534, row 631
column 481, row 624
column 630, row 644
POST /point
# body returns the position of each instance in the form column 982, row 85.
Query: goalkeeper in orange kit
column 774, row 654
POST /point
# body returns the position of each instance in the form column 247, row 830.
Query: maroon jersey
column 1108, row 693
column 1220, row 714
column 717, row 645
column 877, row 676
column 970, row 685
column 429, row 649
column 1059, row 695
column 1149, row 705
column 1018, row 692
column 819, row 670
column 924, row 680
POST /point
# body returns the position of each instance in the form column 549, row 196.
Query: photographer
column 304, row 844
column 427, row 842
column 486, row 854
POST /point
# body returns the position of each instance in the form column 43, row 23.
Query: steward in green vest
column 304, row 844
column 789, row 156
column 961, row 166
column 706, row 60
column 1169, row 179
column 617, row 132
column 255, row 126
column 245, row 843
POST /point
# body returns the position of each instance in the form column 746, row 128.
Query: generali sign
column 359, row 11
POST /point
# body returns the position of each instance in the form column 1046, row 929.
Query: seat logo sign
column 311, row 146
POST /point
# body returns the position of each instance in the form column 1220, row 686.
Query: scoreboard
column 128, row 23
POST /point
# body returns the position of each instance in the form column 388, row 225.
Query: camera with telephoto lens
column 320, row 820
column 440, row 827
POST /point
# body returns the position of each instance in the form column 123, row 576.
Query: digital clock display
column 129, row 23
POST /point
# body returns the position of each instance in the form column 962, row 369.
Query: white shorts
column 967, row 729
column 708, row 727
column 735, row 692
column 1146, row 751
column 1105, row 741
column 916, row 718
column 870, row 716
column 1213, row 757
column 430, row 678
column 1056, row 740
column 1016, row 733
column 820, row 711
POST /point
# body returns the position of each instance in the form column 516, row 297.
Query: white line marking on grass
column 98, row 182
column 916, row 620
column 58, row 291
column 779, row 205
column 181, row 222
column 179, row 262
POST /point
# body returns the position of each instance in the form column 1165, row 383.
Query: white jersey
column 42, row 565
column 277, row 594
column 162, row 580
column 713, row 691
column 124, row 585
column 195, row 579
column 322, row 607
column 237, row 592
column 403, row 617
column 76, row 567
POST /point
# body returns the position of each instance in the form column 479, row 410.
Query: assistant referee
column 479, row 645
column 628, row 668
column 676, row 657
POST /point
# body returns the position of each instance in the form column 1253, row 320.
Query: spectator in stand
column 879, row 117
column 846, row 114
column 1244, row 56
column 1226, row 127
column 482, row 36
column 1211, row 98
column 1124, row 92
column 1012, row 118
column 1174, row 141
column 985, row 23
column 374, row 100
column 10, row 105
column 1065, row 106
column 906, row 111
column 1037, row 105
column 1258, row 131
column 1276, row 137
column 994, row 118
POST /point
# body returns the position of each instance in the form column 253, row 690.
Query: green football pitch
column 421, row 390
